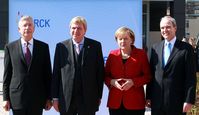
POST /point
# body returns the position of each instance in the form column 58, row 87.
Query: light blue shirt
column 172, row 42
column 168, row 47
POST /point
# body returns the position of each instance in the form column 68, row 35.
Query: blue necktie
column 167, row 52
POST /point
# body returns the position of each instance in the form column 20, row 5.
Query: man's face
column 26, row 29
column 168, row 30
column 77, row 31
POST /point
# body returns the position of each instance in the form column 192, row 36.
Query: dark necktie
column 27, row 54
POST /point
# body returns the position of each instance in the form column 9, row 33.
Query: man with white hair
column 27, row 74
column 173, row 85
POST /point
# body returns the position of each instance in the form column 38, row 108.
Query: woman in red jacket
column 127, row 71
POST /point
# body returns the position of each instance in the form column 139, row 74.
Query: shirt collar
column 24, row 42
column 82, row 42
column 172, row 41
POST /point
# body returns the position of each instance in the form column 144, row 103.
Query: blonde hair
column 79, row 20
column 124, row 30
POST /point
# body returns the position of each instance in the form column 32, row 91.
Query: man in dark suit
column 172, row 89
column 27, row 74
column 78, row 73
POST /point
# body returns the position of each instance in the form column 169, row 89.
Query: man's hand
column 6, row 105
column 48, row 105
column 148, row 103
column 56, row 105
column 187, row 107
column 99, row 102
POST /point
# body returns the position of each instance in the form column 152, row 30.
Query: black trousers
column 28, row 111
column 74, row 110
column 77, row 106
column 123, row 111
column 164, row 112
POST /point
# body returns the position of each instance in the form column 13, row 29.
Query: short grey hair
column 170, row 19
column 25, row 18
column 79, row 20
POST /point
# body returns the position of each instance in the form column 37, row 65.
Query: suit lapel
column 160, row 51
column 85, row 50
column 69, row 45
column 21, row 54
column 174, row 51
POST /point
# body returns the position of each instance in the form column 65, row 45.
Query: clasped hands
column 122, row 84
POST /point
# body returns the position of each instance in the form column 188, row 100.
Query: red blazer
column 136, row 68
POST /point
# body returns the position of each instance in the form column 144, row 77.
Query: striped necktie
column 27, row 54
column 77, row 48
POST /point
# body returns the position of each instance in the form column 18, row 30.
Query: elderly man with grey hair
column 173, row 85
column 78, row 72
column 27, row 73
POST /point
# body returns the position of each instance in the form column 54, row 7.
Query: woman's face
column 124, row 41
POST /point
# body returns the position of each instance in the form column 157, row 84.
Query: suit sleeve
column 7, row 74
column 56, row 73
column 190, row 78
column 108, row 72
column 48, row 73
column 149, row 85
column 100, row 72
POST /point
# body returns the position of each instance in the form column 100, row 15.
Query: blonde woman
column 126, row 72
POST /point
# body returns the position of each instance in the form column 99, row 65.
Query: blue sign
column 104, row 17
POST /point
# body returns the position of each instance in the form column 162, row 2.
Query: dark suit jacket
column 175, row 83
column 27, row 86
column 92, row 71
